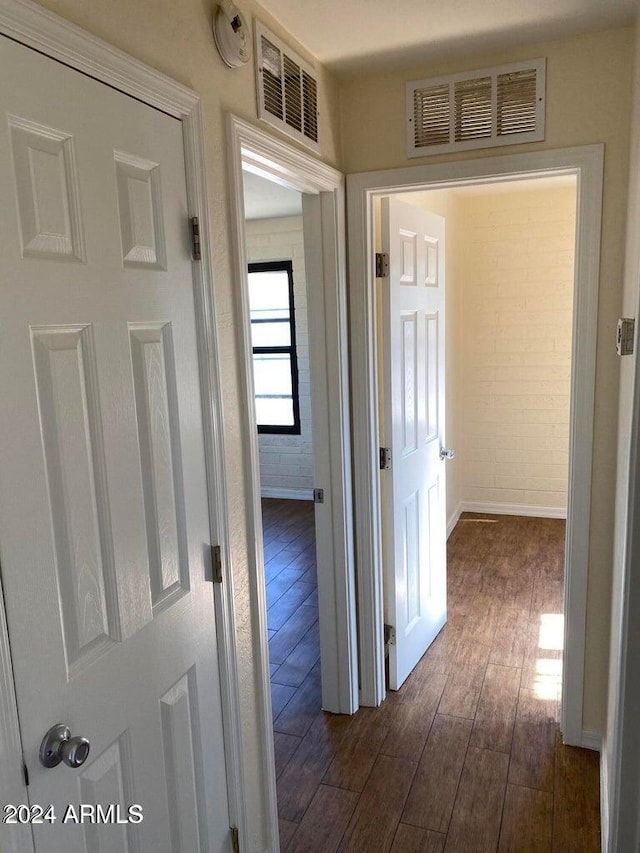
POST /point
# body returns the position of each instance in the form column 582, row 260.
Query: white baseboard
column 287, row 494
column 592, row 740
column 455, row 518
column 514, row 509
column 502, row 509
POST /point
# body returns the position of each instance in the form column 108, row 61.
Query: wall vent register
column 287, row 88
column 504, row 105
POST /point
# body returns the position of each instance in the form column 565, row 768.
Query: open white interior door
column 104, row 525
column 413, row 489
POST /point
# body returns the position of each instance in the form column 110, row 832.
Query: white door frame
column 277, row 161
column 620, row 782
column 586, row 162
column 51, row 35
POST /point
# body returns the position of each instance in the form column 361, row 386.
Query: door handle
column 58, row 745
column 447, row 454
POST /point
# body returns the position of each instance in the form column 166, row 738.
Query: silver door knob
column 447, row 454
column 58, row 745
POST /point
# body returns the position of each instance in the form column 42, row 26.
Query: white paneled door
column 413, row 489
column 104, row 532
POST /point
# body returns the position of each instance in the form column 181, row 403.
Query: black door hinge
column 382, row 264
column 195, row 238
column 385, row 458
column 216, row 563
column 389, row 635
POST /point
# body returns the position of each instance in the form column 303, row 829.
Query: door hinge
column 389, row 635
column 216, row 563
column 235, row 839
column 385, row 458
column 195, row 238
column 382, row 264
column 25, row 773
column 624, row 336
column 318, row 496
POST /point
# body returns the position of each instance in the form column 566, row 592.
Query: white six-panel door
column 413, row 490
column 104, row 533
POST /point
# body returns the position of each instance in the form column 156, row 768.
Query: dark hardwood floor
column 467, row 756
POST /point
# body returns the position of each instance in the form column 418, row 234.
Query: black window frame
column 291, row 350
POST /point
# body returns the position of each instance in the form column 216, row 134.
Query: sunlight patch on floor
column 480, row 520
column 548, row 675
column 551, row 632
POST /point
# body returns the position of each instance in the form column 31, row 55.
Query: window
column 273, row 338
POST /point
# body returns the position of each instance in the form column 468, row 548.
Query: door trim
column 324, row 213
column 586, row 162
column 620, row 766
column 30, row 24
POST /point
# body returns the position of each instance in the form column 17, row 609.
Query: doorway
column 509, row 262
column 255, row 151
column 282, row 373
column 586, row 164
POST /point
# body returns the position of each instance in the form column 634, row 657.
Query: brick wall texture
column 517, row 280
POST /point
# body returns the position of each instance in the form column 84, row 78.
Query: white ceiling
column 358, row 34
column 265, row 200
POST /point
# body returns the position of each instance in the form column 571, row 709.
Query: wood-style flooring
column 467, row 756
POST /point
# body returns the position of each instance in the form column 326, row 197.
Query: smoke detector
column 230, row 34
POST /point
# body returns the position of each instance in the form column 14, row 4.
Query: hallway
column 467, row 755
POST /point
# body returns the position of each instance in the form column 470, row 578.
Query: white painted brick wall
column 517, row 311
column 286, row 461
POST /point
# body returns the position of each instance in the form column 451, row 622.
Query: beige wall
column 518, row 250
column 175, row 36
column 509, row 290
column 588, row 101
column 286, row 461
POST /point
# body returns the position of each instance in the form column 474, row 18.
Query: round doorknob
column 58, row 745
column 445, row 453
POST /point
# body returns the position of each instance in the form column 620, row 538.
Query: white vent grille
column 477, row 109
column 287, row 89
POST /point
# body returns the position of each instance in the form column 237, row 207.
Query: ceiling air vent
column 287, row 88
column 477, row 109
